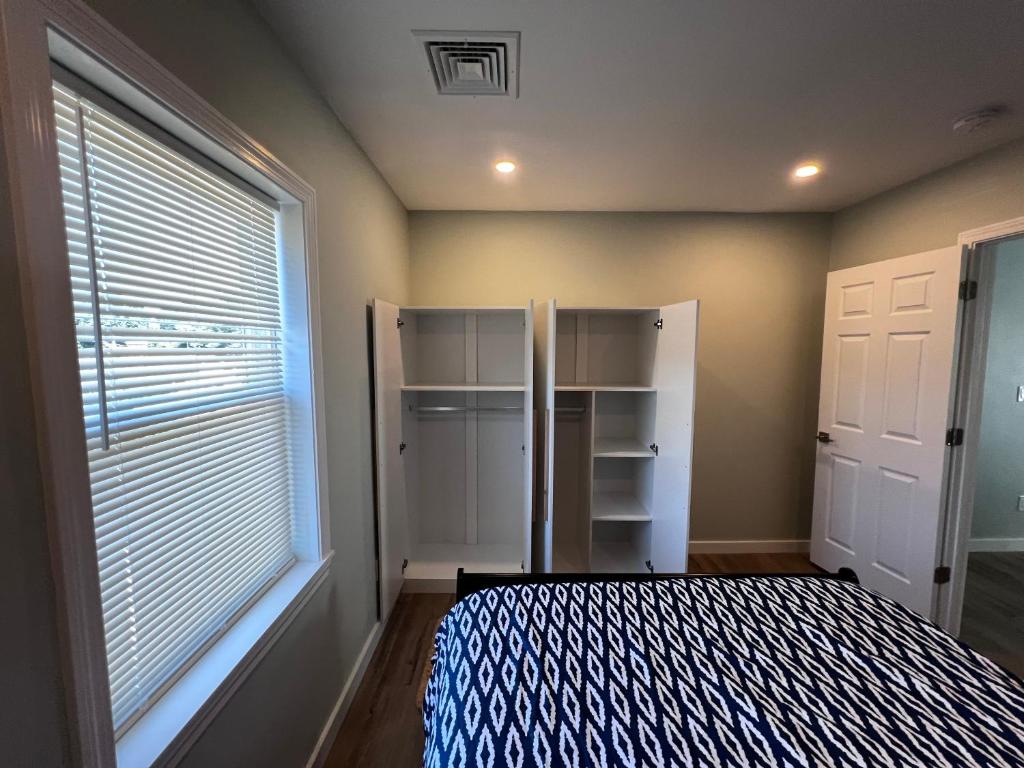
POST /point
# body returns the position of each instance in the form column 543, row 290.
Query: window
column 195, row 446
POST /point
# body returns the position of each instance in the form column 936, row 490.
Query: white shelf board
column 618, row 507
column 615, row 557
column 610, row 310
column 463, row 387
column 433, row 562
column 427, row 310
column 621, row 448
column 603, row 388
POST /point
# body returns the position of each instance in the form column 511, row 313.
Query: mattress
column 709, row 671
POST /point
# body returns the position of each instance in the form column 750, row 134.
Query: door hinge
column 968, row 290
column 401, row 448
column 400, row 322
column 659, row 323
column 942, row 574
column 405, row 564
column 649, row 566
column 954, row 437
column 654, row 447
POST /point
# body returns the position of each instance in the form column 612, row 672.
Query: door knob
column 824, row 437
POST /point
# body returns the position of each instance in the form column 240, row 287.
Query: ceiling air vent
column 473, row 63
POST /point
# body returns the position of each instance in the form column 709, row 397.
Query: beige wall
column 931, row 211
column 228, row 55
column 32, row 730
column 761, row 282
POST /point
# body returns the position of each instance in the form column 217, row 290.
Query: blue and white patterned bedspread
column 761, row 671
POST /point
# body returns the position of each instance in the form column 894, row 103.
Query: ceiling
column 690, row 105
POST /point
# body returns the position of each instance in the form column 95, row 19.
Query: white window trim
column 31, row 32
column 165, row 733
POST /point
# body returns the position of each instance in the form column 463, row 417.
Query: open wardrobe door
column 674, row 378
column 391, row 503
column 544, row 402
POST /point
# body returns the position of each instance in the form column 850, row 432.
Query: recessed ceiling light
column 807, row 170
column 504, row 166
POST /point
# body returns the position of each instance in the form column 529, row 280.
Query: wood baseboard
column 995, row 545
column 749, row 546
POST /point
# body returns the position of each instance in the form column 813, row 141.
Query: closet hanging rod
column 464, row 408
column 571, row 409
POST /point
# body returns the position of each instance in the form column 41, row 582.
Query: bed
column 708, row 671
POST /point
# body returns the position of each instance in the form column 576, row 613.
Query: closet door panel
column 544, row 332
column 440, row 348
column 392, row 518
column 566, row 345
column 501, row 342
column 674, row 376
column 439, row 451
column 499, row 463
column 526, row 449
column 612, row 349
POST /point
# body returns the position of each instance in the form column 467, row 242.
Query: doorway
column 992, row 571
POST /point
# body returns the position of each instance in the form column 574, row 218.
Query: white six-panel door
column 886, row 377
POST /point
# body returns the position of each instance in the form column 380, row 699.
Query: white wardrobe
column 614, row 392
column 454, row 443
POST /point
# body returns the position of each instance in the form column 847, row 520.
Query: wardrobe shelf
column 618, row 507
column 436, row 562
column 435, row 310
column 463, row 388
column 621, row 448
column 603, row 388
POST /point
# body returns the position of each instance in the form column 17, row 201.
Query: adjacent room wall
column 226, row 53
column 761, row 281
column 1000, row 461
column 931, row 211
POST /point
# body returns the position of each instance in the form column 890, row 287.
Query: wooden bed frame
column 468, row 583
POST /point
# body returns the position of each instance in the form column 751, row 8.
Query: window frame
column 32, row 33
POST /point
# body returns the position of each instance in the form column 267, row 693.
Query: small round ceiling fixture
column 977, row 120
column 807, row 170
column 504, row 166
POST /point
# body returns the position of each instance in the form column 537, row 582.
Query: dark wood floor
column 384, row 727
column 993, row 614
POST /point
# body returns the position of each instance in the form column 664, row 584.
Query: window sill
column 169, row 729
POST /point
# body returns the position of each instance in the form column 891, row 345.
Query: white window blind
column 175, row 278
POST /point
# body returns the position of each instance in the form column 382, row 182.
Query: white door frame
column 970, row 375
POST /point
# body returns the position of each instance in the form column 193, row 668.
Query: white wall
column 227, row 54
column 1000, row 477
